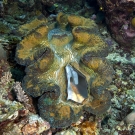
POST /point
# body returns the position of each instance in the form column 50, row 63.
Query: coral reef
column 28, row 5
column 35, row 125
column 9, row 109
column 4, row 29
column 82, row 127
column 119, row 119
column 122, row 89
column 67, row 132
column 120, row 20
column 48, row 51
column 49, row 2
column 23, row 98
column 4, row 67
column 17, row 117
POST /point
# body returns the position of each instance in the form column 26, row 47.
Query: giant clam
column 66, row 68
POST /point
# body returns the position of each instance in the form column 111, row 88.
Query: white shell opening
column 76, row 85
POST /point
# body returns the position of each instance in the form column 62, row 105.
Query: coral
column 85, row 127
column 88, row 128
column 3, row 53
column 35, row 125
column 4, row 67
column 20, row 93
column 23, row 98
column 14, row 118
column 29, row 124
column 120, row 20
column 9, row 109
column 6, row 82
column 65, row 68
column 123, row 89
column 4, row 29
column 67, row 132
column 49, row 2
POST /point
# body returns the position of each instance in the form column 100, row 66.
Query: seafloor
column 120, row 117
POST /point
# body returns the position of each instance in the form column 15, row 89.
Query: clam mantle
column 66, row 67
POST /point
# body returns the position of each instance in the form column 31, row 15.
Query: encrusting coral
column 66, row 69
